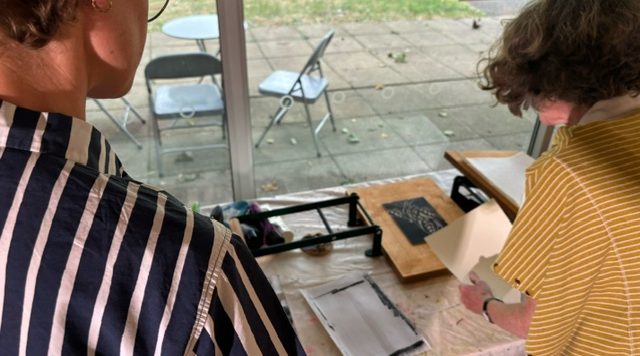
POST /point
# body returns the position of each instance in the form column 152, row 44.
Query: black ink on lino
column 416, row 218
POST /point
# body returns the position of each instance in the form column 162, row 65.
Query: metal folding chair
column 122, row 124
column 302, row 87
column 180, row 102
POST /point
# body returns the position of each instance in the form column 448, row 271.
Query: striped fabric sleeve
column 245, row 316
column 524, row 259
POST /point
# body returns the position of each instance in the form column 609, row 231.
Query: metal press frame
column 361, row 224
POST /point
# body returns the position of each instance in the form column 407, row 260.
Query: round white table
column 194, row 27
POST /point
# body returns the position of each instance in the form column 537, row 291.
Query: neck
column 611, row 109
column 42, row 80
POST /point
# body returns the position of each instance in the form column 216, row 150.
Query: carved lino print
column 416, row 218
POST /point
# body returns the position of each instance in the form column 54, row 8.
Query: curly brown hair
column 580, row 51
column 35, row 22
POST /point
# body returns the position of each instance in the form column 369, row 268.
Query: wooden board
column 411, row 262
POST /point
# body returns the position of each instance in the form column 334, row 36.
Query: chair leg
column 313, row 131
column 282, row 111
column 121, row 125
column 133, row 110
column 326, row 98
column 158, row 144
column 224, row 126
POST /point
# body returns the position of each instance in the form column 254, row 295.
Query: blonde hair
column 35, row 22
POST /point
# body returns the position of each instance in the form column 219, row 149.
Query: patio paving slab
column 464, row 31
column 316, row 30
column 203, row 160
column 285, row 48
column 398, row 99
column 452, row 123
column 487, row 121
column 211, row 187
column 273, row 33
column 382, row 41
column 516, row 142
column 253, row 51
column 417, row 66
column 458, row 57
column 455, row 93
column 112, row 132
column 491, row 26
column 388, row 163
column 354, row 60
column 372, row 132
column 257, row 71
column 407, row 26
column 371, row 77
column 340, row 43
column 347, row 104
column 416, row 129
column 428, row 37
column 282, row 148
column 433, row 154
column 298, row 175
column 366, row 28
column 444, row 25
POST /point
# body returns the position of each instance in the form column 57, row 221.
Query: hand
column 473, row 295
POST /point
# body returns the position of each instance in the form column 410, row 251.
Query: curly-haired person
column 91, row 260
column 573, row 251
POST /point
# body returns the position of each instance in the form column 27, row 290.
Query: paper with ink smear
column 472, row 243
column 361, row 320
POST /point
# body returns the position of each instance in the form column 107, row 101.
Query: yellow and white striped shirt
column 575, row 244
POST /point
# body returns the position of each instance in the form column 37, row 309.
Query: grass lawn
column 286, row 12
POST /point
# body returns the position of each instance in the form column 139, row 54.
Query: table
column 458, row 160
column 195, row 27
column 432, row 304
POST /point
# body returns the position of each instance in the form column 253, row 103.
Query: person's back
column 95, row 262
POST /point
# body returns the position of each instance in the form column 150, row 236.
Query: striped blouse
column 94, row 262
column 575, row 244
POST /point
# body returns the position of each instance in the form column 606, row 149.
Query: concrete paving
column 407, row 89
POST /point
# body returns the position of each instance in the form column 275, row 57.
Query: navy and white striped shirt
column 94, row 262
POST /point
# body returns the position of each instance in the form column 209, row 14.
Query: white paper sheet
column 506, row 173
column 361, row 320
column 471, row 243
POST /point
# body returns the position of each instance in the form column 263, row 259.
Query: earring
column 109, row 5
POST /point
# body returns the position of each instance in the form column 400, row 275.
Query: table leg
column 201, row 45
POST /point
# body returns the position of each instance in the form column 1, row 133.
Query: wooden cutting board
column 411, row 262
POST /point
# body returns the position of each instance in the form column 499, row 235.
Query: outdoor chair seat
column 188, row 100
column 280, row 83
